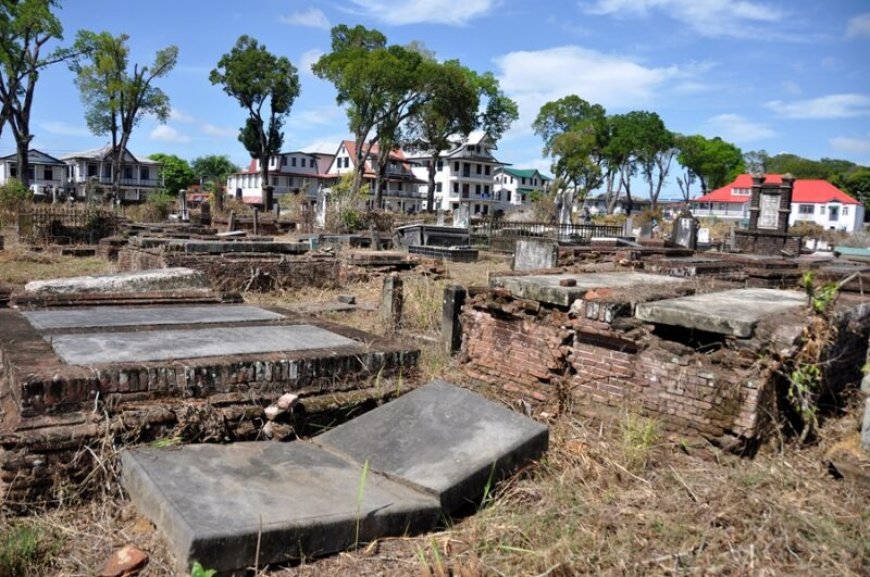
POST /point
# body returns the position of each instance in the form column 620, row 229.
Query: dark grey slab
column 546, row 288
column 162, row 345
column 733, row 312
column 442, row 438
column 213, row 501
column 117, row 316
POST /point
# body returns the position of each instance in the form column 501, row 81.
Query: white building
column 515, row 187
column 47, row 174
column 91, row 169
column 813, row 200
column 465, row 173
column 295, row 172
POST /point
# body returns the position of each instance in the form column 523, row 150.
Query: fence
column 502, row 236
column 66, row 225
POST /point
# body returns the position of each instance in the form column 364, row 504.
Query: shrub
column 12, row 195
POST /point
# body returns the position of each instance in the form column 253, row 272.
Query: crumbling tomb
column 700, row 351
column 148, row 356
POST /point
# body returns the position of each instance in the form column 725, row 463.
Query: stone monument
column 769, row 209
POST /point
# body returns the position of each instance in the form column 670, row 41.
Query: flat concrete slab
column 118, row 316
column 388, row 472
column 443, row 439
column 546, row 288
column 213, row 502
column 162, row 345
column 733, row 312
column 148, row 280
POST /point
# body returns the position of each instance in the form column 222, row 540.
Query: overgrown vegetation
column 26, row 547
column 13, row 194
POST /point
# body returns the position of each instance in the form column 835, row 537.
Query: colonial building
column 90, row 172
column 516, row 187
column 46, row 174
column 816, row 201
column 295, row 172
column 464, row 174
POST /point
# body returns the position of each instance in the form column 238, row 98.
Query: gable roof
column 35, row 156
column 525, row 172
column 806, row 191
column 103, row 152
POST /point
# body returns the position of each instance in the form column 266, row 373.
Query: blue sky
column 784, row 76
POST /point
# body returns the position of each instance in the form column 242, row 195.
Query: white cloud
column 715, row 18
column 308, row 58
column 218, row 131
column 831, row 106
column 792, row 87
column 166, row 133
column 533, row 78
column 401, row 12
column 736, row 128
column 326, row 115
column 64, row 128
column 859, row 26
column 849, row 144
column 312, row 18
column 179, row 116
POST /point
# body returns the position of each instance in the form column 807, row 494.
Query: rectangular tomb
column 564, row 289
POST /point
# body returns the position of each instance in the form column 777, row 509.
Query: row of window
column 510, row 180
column 92, row 171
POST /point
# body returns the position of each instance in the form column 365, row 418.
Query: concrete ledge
column 148, row 280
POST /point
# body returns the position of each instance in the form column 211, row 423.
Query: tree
column 175, row 174
column 255, row 77
column 25, row 27
column 116, row 100
column 857, row 184
column 714, row 161
column 214, row 169
column 757, row 161
column 575, row 136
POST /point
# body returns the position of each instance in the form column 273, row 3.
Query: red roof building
column 813, row 200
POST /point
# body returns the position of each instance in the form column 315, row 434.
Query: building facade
column 516, row 187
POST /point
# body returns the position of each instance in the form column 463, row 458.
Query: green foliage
column 24, row 548
column 343, row 210
column 213, row 166
column 639, row 436
column 821, row 298
column 714, row 161
column 12, row 194
column 175, row 173
column 199, row 571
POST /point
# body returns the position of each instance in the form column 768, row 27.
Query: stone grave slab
column 443, row 439
column 147, row 280
column 546, row 288
column 392, row 471
column 119, row 316
column 162, row 345
column 733, row 312
column 213, row 501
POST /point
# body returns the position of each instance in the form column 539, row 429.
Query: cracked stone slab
column 119, row 316
column 733, row 312
column 162, row 345
column 214, row 502
column 447, row 440
column 546, row 288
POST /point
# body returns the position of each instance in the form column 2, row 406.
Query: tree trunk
column 430, row 193
column 266, row 189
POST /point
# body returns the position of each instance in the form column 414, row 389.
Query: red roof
column 806, row 191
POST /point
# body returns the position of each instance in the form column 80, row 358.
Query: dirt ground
column 615, row 495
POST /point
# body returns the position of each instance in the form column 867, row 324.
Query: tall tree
column 115, row 98
column 212, row 170
column 26, row 26
column 266, row 86
column 575, row 136
column 756, row 161
column 360, row 74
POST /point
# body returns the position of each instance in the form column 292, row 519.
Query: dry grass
column 614, row 495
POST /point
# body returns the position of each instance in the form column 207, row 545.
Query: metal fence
column 66, row 225
column 502, row 236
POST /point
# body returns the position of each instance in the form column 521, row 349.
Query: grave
column 397, row 470
column 769, row 209
column 76, row 375
column 684, row 350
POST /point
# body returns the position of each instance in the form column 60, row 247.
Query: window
column 806, row 209
column 479, row 169
column 486, row 170
column 47, row 173
column 107, row 171
column 302, row 162
column 477, row 189
column 283, row 161
column 456, row 166
column 399, row 186
column 833, row 213
column 143, row 173
column 92, row 170
column 128, row 172
column 13, row 171
column 456, row 187
column 465, row 190
column 437, row 187
column 741, row 191
column 293, row 161
column 523, row 180
column 508, row 196
column 440, row 166
column 845, row 211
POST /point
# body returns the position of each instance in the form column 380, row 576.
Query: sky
column 783, row 76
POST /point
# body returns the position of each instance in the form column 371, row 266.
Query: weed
column 639, row 435
column 360, row 493
column 199, row 571
column 24, row 549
